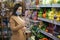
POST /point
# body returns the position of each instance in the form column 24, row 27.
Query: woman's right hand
column 24, row 29
column 19, row 26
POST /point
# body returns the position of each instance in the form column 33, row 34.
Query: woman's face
column 19, row 10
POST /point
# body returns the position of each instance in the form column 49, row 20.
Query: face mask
column 18, row 13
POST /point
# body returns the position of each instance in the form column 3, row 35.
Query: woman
column 17, row 24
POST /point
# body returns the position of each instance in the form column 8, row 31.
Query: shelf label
column 37, row 6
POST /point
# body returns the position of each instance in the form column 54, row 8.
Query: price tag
column 37, row 6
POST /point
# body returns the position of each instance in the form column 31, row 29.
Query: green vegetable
column 40, row 35
column 58, row 1
column 40, row 13
column 43, row 27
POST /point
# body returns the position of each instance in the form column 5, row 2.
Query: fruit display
column 47, row 27
column 45, row 13
column 51, row 14
column 37, row 26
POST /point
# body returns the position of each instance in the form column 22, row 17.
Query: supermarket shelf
column 50, row 5
column 33, row 8
column 55, row 5
column 34, row 20
column 43, row 5
column 49, row 35
column 50, row 21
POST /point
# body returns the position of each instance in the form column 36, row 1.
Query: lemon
column 58, row 36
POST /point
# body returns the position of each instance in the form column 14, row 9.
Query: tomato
column 44, row 39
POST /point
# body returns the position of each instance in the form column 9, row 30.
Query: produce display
column 47, row 27
column 35, row 30
column 49, row 14
column 49, row 18
column 46, row 13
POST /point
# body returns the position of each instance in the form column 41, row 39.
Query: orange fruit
column 46, row 30
column 44, row 15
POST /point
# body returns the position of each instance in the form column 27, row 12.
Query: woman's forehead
column 20, row 8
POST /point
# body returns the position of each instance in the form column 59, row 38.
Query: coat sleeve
column 13, row 27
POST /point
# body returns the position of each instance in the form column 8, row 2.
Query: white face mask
column 18, row 13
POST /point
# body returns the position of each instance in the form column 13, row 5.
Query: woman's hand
column 24, row 29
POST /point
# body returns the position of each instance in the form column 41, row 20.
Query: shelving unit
column 34, row 7
column 4, row 22
column 33, row 20
column 40, row 6
column 50, row 21
column 45, row 5
column 49, row 35
column 46, row 33
column 5, row 34
column 6, row 8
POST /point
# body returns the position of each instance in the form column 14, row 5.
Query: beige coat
column 17, row 33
